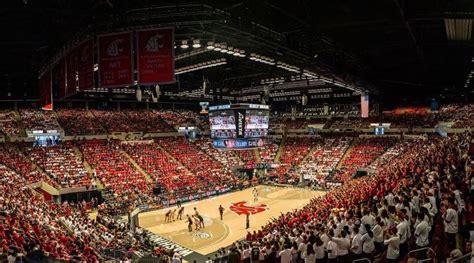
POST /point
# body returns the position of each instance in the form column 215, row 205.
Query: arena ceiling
column 405, row 50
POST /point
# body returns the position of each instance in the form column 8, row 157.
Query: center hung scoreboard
column 239, row 126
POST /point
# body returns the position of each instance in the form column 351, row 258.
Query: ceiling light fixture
column 210, row 45
column 196, row 43
column 184, row 44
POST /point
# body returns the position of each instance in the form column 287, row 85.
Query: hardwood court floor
column 217, row 233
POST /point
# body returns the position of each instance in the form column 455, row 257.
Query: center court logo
column 241, row 208
column 201, row 235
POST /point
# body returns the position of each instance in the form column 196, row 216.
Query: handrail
column 362, row 260
column 422, row 249
column 468, row 255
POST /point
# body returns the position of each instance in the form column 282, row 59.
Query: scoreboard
column 239, row 126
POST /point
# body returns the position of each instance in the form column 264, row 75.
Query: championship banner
column 155, row 55
column 59, row 78
column 71, row 72
column 46, row 98
column 85, row 67
column 115, row 60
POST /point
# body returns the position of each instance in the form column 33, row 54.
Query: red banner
column 45, row 83
column 71, row 72
column 115, row 60
column 85, row 66
column 155, row 55
column 59, row 78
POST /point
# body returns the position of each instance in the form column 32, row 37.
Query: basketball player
column 247, row 221
column 190, row 223
column 199, row 217
column 255, row 195
column 197, row 223
column 167, row 216
column 180, row 213
column 221, row 210
column 173, row 212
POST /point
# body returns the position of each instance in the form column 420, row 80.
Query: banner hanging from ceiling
column 85, row 66
column 71, row 72
column 59, row 79
column 45, row 87
column 115, row 60
column 155, row 56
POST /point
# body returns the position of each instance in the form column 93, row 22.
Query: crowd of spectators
column 323, row 159
column 399, row 208
column 268, row 152
column 209, row 172
column 8, row 123
column 162, row 168
column 33, row 119
column 361, row 155
column 30, row 227
column 61, row 163
column 11, row 157
column 114, row 170
column 226, row 158
column 79, row 122
column 294, row 151
column 248, row 157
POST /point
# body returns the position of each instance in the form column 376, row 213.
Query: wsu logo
column 241, row 209
column 115, row 48
column 154, row 43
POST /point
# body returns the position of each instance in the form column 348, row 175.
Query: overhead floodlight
column 184, row 44
column 196, row 43
column 242, row 53
column 210, row 45
column 223, row 48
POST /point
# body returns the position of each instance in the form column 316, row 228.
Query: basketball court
column 272, row 200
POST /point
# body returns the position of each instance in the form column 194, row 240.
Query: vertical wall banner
column 364, row 105
column 155, row 53
column 71, row 72
column 59, row 79
column 115, row 60
column 46, row 93
column 85, row 66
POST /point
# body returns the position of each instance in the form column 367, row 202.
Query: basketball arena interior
column 236, row 131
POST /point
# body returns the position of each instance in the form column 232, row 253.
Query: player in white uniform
column 255, row 195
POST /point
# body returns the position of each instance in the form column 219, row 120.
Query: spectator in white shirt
column 368, row 245
column 309, row 255
column 393, row 245
column 403, row 229
column 285, row 255
column 450, row 219
column 331, row 248
column 378, row 235
column 356, row 246
column 319, row 249
column 343, row 246
column 422, row 231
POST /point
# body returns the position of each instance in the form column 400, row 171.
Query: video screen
column 222, row 124
column 255, row 119
column 47, row 140
column 256, row 123
column 379, row 131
